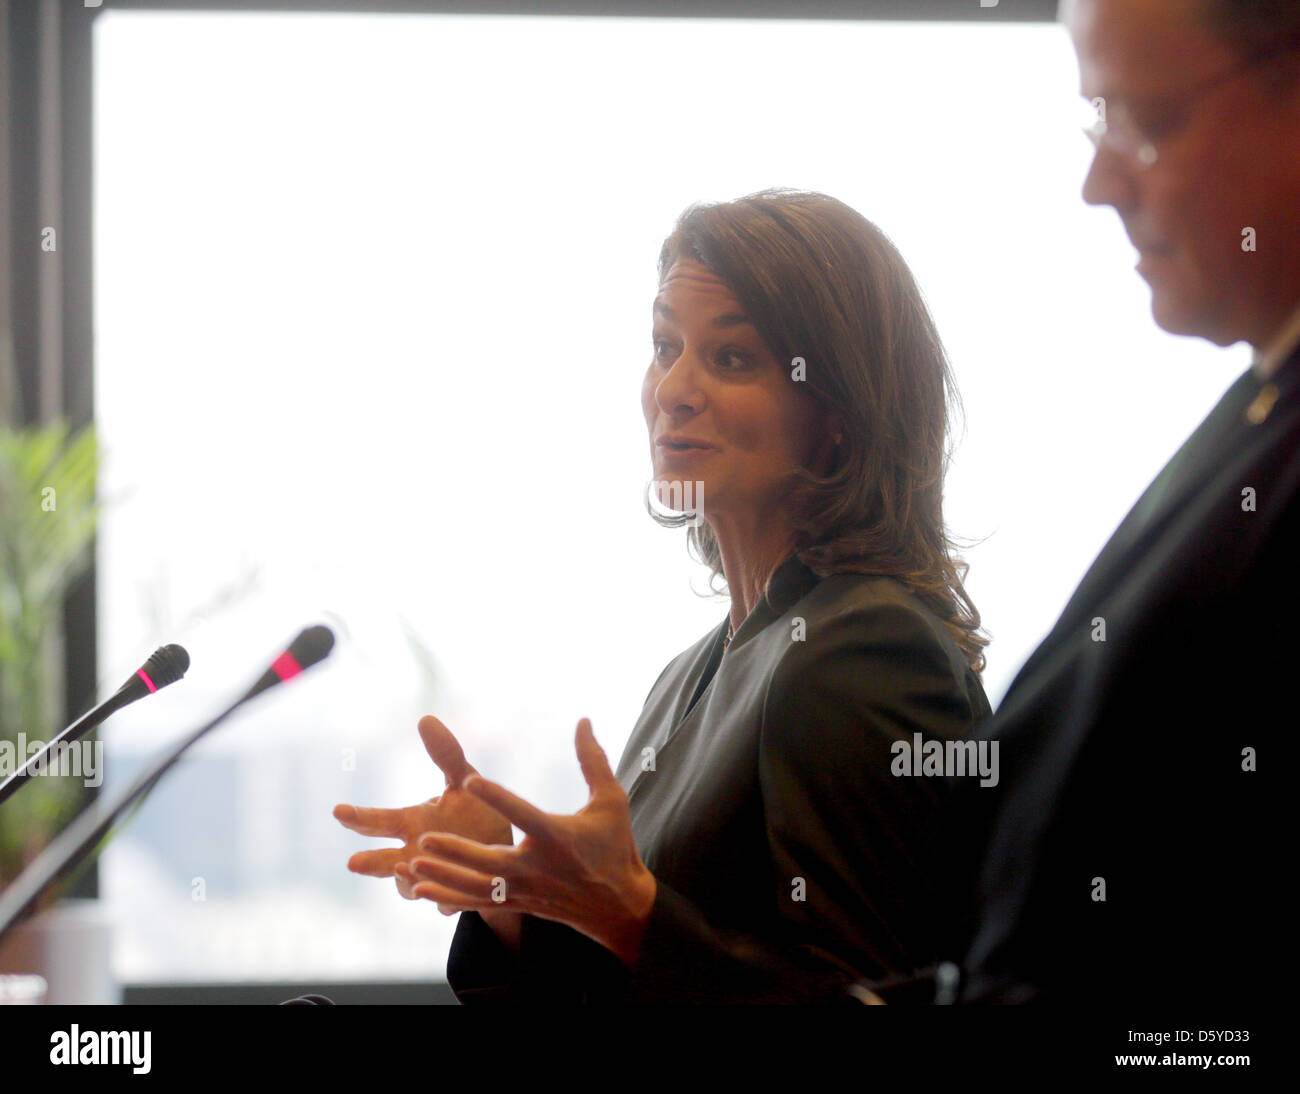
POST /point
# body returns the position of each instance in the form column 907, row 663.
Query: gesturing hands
column 583, row 870
column 452, row 811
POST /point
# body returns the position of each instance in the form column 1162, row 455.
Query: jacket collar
column 1281, row 350
column 789, row 583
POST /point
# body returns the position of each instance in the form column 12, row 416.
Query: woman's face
column 725, row 418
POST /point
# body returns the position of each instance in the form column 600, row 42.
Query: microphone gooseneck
column 166, row 665
column 84, row 833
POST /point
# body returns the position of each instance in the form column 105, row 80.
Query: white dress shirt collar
column 1268, row 360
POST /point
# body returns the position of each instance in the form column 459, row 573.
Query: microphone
column 312, row 645
column 166, row 665
column 72, row 845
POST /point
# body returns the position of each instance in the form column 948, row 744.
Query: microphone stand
column 167, row 665
column 88, row 829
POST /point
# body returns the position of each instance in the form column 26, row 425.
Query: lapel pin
column 1258, row 410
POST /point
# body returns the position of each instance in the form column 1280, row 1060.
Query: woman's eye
column 731, row 360
column 662, row 348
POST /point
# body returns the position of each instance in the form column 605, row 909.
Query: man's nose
column 1110, row 181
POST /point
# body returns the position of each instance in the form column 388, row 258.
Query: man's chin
column 1176, row 314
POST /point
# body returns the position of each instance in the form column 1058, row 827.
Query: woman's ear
column 830, row 444
column 835, row 428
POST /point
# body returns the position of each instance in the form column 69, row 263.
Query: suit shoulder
column 872, row 612
column 866, row 643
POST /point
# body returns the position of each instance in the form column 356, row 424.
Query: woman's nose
column 678, row 393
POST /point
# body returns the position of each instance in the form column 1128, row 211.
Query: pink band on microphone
column 285, row 666
column 145, row 677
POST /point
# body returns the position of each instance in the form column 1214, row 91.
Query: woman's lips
column 678, row 443
column 681, row 449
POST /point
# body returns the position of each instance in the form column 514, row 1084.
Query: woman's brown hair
column 822, row 283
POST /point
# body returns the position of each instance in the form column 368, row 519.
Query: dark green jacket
column 787, row 854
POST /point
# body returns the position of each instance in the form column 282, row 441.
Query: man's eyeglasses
column 1136, row 134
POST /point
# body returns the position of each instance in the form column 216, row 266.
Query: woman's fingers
column 518, row 812
column 465, row 883
column 406, row 882
column 444, row 750
column 592, row 760
column 467, row 853
column 371, row 822
column 381, row 863
column 447, row 898
column 454, row 888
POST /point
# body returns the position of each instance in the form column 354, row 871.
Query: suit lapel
column 681, row 709
column 791, row 581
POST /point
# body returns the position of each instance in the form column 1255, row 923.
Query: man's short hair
column 1254, row 27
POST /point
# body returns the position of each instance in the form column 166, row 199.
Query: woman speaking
column 754, row 844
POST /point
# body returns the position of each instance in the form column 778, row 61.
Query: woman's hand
column 582, row 870
column 453, row 811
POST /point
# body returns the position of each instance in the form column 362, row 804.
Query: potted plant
column 48, row 514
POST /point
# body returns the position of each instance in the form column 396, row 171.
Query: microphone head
column 166, row 665
column 312, row 645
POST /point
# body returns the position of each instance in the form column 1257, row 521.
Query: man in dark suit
column 1127, row 853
